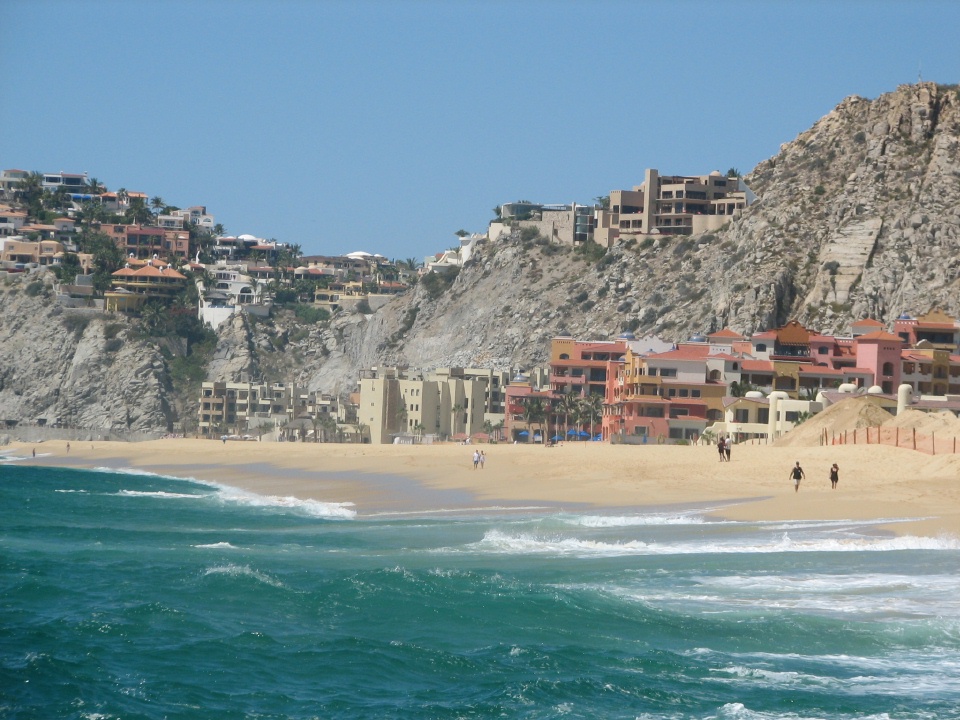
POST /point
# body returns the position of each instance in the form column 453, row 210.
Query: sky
column 389, row 126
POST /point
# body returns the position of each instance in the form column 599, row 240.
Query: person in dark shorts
column 797, row 474
column 720, row 448
column 834, row 476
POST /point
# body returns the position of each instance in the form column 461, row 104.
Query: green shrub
column 310, row 314
column 438, row 283
column 76, row 324
column 34, row 288
column 111, row 330
column 363, row 307
column 113, row 345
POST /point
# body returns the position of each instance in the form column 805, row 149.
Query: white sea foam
column 159, row 494
column 217, row 546
column 134, row 471
column 312, row 508
column 242, row 571
column 229, row 494
column 608, row 521
column 496, row 541
column 737, row 711
column 67, row 490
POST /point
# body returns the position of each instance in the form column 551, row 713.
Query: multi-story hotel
column 672, row 205
column 250, row 408
column 447, row 402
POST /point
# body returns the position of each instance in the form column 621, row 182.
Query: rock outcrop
column 75, row 368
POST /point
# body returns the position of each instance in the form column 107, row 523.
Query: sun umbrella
column 523, row 433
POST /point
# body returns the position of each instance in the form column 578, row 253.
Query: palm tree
column 454, row 414
column 592, row 406
column 533, row 412
column 568, row 406
column 361, row 430
column 157, row 203
column 95, row 187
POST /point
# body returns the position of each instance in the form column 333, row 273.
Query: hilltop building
column 132, row 287
column 672, row 205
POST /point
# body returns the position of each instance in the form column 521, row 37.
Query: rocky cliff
column 859, row 216
column 76, row 368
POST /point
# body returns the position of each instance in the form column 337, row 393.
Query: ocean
column 128, row 595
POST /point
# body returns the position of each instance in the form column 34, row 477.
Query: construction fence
column 909, row 438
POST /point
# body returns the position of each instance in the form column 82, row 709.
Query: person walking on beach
column 483, row 458
column 476, row 459
column 720, row 448
column 834, row 476
column 68, row 447
column 797, row 474
column 727, row 442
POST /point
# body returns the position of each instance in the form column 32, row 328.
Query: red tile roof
column 879, row 335
column 726, row 333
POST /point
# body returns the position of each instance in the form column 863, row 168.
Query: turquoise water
column 137, row 596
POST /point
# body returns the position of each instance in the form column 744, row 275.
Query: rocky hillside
column 859, row 216
column 75, row 368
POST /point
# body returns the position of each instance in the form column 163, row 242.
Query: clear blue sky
column 388, row 126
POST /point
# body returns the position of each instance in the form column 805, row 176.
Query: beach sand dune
column 876, row 482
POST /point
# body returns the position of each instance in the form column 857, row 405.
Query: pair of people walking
column 796, row 472
column 723, row 447
column 479, row 458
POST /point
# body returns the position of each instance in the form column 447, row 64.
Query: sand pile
column 941, row 423
column 849, row 414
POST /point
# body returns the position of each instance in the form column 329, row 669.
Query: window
column 695, row 393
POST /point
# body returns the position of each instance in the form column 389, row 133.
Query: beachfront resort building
column 272, row 411
column 397, row 405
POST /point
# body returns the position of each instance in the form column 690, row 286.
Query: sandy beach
column 876, row 482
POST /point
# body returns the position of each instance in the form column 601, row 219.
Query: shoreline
column 877, row 483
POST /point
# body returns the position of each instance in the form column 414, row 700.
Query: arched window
column 888, row 368
column 564, row 356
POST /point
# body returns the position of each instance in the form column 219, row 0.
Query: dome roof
column 847, row 388
column 627, row 336
column 246, row 237
column 875, row 390
column 753, row 394
column 715, row 173
column 698, row 338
